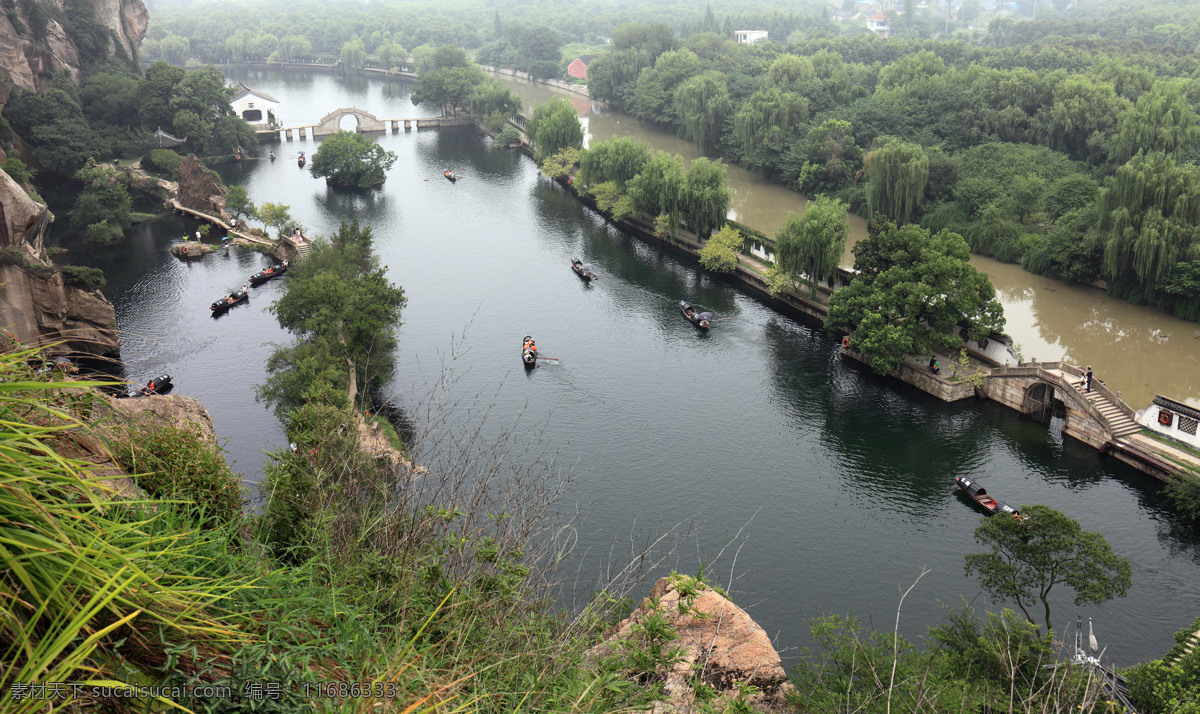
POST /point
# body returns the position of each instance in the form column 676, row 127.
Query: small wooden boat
column 229, row 301
column 583, row 270
column 699, row 319
column 980, row 496
column 300, row 161
column 529, row 352
column 264, row 275
column 272, row 156
column 450, row 175
column 159, row 385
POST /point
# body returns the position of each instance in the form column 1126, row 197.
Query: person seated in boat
column 268, row 271
column 272, row 156
column 531, row 346
column 576, row 264
column 691, row 313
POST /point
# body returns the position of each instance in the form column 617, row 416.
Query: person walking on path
column 1087, row 380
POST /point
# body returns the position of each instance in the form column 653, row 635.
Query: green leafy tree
column 111, row 98
column 1148, row 218
column 765, row 125
column 392, row 54
column 294, row 47
column 617, row 160
column 1081, row 118
column 277, row 216
column 491, row 97
column 790, row 73
column 702, row 103
column 354, row 53
column 351, row 159
column 811, row 245
column 237, row 44
column 1161, row 121
column 155, row 92
column 17, row 169
column 913, row 294
column 450, row 88
column 830, row 149
column 175, row 49
column 238, row 203
column 61, row 139
column 554, row 127
column 1029, row 557
column 657, row 187
column 655, row 93
column 537, row 51
column 102, row 209
column 897, row 172
column 720, row 253
column 339, row 302
column 704, row 197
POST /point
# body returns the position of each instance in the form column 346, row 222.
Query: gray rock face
column 26, row 59
column 35, row 305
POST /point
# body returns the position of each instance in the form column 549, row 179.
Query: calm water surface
column 1137, row 350
column 843, row 481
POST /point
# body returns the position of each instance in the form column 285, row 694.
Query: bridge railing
column 1045, row 371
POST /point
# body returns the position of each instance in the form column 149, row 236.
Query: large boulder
column 721, row 645
column 175, row 410
column 199, row 188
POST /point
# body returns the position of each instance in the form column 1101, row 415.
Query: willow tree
column 704, row 198
column 897, row 172
column 810, row 246
column 617, row 160
column 554, row 127
column 788, row 72
column 354, row 53
column 657, row 187
column 1162, row 121
column 1150, row 219
column 766, row 122
column 702, row 103
column 655, row 91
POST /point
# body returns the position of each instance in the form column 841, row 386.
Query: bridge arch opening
column 348, row 122
column 1041, row 403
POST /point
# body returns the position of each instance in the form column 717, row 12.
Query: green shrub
column 508, row 135
column 83, row 277
column 162, row 161
column 16, row 168
column 495, row 122
column 179, row 464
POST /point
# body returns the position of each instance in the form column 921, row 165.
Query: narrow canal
column 840, row 482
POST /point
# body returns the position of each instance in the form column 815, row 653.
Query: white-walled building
column 257, row 108
column 878, row 24
column 749, row 37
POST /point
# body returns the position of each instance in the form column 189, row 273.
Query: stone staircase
column 1188, row 646
column 1119, row 424
column 304, row 249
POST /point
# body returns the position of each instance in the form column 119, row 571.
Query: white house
column 878, row 24
column 257, row 108
column 749, row 37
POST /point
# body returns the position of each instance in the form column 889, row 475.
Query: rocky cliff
column 34, row 44
column 35, row 304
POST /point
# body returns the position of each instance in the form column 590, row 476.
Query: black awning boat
column 583, row 270
column 694, row 316
column 229, row 301
column 266, row 274
column 984, row 500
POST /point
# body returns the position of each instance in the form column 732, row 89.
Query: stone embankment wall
column 580, row 89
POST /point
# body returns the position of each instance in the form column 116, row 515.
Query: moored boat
column 450, row 175
column 984, row 500
column 266, row 274
column 699, row 319
column 583, row 270
column 229, row 301
column 529, row 352
column 159, row 385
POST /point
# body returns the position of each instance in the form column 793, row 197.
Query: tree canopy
column 914, row 292
column 1029, row 557
column 810, row 246
column 350, row 159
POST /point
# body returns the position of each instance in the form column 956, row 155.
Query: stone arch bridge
column 1099, row 417
column 367, row 122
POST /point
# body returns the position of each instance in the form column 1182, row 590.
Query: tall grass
column 85, row 580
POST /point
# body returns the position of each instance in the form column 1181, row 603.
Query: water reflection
column 1137, row 350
